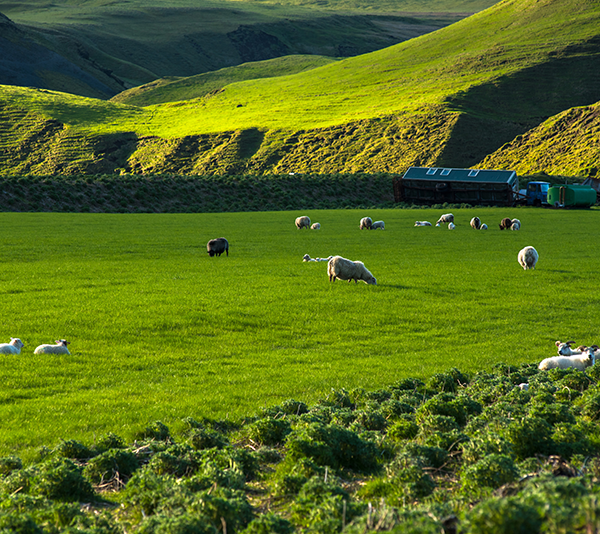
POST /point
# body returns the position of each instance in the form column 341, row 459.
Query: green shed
column 571, row 196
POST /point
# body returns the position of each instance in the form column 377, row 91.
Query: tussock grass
column 160, row 331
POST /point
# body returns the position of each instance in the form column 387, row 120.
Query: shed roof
column 448, row 174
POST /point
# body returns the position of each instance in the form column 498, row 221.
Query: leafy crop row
column 457, row 453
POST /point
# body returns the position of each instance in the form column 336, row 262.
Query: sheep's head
column 16, row 342
column 371, row 281
column 62, row 342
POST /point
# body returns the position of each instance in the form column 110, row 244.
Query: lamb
column 378, row 225
column 483, row 227
column 14, row 347
column 302, row 222
column 59, row 348
column 422, row 223
column 366, row 223
column 528, row 258
column 515, row 224
column 217, row 246
column 505, row 223
column 476, row 223
column 446, row 218
column 315, row 226
column 344, row 269
column 451, row 226
column 306, row 257
column 564, row 349
column 580, row 362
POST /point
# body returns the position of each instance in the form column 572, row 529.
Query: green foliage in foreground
column 488, row 455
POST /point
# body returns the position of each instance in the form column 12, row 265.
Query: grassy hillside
column 446, row 98
column 97, row 49
column 568, row 143
column 173, row 90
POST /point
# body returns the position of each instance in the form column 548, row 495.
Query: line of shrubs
column 457, row 453
column 132, row 193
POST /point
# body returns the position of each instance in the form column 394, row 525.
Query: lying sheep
column 59, row 348
column 14, row 347
column 581, row 361
column 306, row 257
column 422, row 223
column 476, row 223
column 344, row 269
column 483, row 227
column 378, row 225
column 528, row 258
column 315, row 226
column 564, row 349
column 366, row 223
column 446, row 218
column 302, row 222
column 505, row 223
column 217, row 247
column 515, row 224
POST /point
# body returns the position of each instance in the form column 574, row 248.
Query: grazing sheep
column 505, row 223
column 378, row 225
column 315, row 226
column 302, row 222
column 528, row 258
column 446, row 218
column 366, row 223
column 451, row 226
column 580, row 361
column 59, row 348
column 217, row 246
column 14, row 347
column 515, row 224
column 422, row 223
column 483, row 226
column 344, row 269
column 476, row 223
column 564, row 349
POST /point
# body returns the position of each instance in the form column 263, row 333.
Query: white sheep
column 302, row 222
column 483, row 227
column 306, row 257
column 580, row 361
column 14, row 347
column 476, row 223
column 315, row 226
column 59, row 348
column 564, row 349
column 516, row 224
column 422, row 223
column 451, row 226
column 528, row 258
column 378, row 225
column 344, row 269
column 446, row 218
column 366, row 223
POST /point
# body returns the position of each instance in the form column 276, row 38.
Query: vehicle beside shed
column 436, row 185
column 571, row 196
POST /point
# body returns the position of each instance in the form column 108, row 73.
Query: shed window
column 474, row 172
column 445, row 172
column 431, row 171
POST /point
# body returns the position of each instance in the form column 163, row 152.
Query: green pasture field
column 161, row 331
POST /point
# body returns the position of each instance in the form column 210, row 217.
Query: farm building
column 436, row 185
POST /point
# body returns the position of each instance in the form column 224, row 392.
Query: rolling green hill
column 448, row 98
column 97, row 48
column 568, row 143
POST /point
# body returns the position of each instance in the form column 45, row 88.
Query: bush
column 10, row 464
column 402, row 430
column 62, row 480
column 492, row 471
column 504, row 516
column 268, row 431
column 269, row 523
column 530, row 436
column 110, row 464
